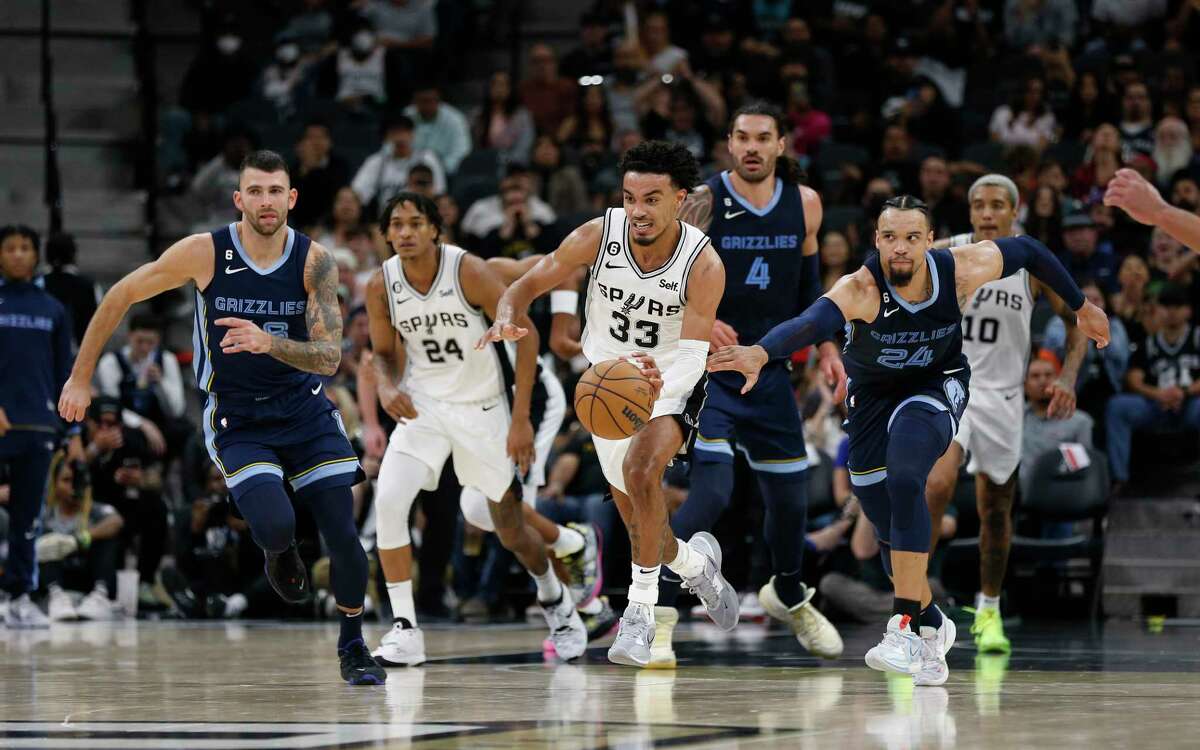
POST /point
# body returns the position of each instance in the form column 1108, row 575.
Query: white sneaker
column 24, row 614
column 719, row 598
column 634, row 637
column 401, row 647
column 96, row 606
column 662, row 654
column 59, row 607
column 568, row 634
column 814, row 631
column 932, row 669
column 54, row 546
column 899, row 651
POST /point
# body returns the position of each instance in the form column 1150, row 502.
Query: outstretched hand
column 501, row 330
column 748, row 360
column 1130, row 192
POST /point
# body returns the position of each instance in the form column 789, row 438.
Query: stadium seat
column 839, row 217
column 480, row 163
column 828, row 164
column 988, row 153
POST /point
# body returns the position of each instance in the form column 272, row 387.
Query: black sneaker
column 358, row 666
column 177, row 587
column 601, row 623
column 285, row 571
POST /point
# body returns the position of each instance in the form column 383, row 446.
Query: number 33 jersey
column 439, row 330
column 629, row 309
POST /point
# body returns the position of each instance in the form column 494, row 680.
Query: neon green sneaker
column 989, row 631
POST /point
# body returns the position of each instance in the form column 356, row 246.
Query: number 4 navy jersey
column 908, row 342
column 761, row 250
column 273, row 298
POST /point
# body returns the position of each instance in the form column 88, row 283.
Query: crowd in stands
column 368, row 98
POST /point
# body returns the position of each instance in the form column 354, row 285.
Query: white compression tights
column 401, row 477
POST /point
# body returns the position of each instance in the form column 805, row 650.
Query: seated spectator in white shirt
column 385, row 172
column 1026, row 121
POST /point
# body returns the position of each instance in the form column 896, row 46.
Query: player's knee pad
column 400, row 479
column 475, row 510
column 268, row 510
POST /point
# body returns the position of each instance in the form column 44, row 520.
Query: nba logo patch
column 955, row 394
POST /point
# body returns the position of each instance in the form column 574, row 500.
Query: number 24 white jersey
column 629, row 309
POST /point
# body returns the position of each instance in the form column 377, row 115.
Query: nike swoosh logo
column 317, row 390
column 230, row 271
column 489, row 408
column 402, row 301
column 646, row 572
column 1010, row 398
column 734, row 214
column 610, row 265
column 886, row 313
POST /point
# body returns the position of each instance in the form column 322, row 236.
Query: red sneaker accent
column 904, row 622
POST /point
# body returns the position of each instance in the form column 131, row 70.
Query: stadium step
column 1152, row 556
column 22, row 167
column 84, row 211
column 68, row 15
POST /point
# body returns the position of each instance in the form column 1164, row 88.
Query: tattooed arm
column 323, row 350
column 697, row 208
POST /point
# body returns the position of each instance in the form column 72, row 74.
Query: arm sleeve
column 820, row 322
column 681, row 377
column 1026, row 252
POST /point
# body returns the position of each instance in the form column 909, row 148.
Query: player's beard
column 901, row 278
column 281, row 222
column 766, row 170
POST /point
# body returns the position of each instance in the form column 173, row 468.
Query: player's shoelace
column 984, row 618
column 705, row 587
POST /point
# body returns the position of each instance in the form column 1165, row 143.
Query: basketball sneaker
column 59, row 607
column 358, row 666
column 634, row 637
column 285, row 571
column 584, row 567
column 900, row 649
column 567, row 633
column 932, row 669
column 95, row 606
column 402, row 646
column 814, row 631
column 718, row 597
column 601, row 623
column 988, row 630
column 662, row 654
column 24, row 614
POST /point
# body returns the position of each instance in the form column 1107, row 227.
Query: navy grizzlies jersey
column 908, row 342
column 273, row 298
column 761, row 250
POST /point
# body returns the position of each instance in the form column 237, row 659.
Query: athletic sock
column 688, row 562
column 643, row 586
column 910, row 609
column 931, row 616
column 592, row 608
column 400, row 593
column 569, row 542
column 983, row 601
column 351, row 628
column 549, row 590
column 789, row 588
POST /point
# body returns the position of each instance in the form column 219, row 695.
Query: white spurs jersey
column 439, row 331
column 628, row 309
column 996, row 328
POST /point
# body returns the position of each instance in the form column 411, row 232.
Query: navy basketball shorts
column 298, row 437
column 872, row 410
column 764, row 424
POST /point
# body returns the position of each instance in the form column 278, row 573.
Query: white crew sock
column 548, row 587
column 401, row 596
column 643, row 587
column 591, row 608
column 983, row 601
column 569, row 542
column 688, row 562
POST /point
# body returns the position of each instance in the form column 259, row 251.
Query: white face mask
column 287, row 53
column 229, row 43
column 362, row 42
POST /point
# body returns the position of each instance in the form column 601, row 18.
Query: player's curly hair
column 425, row 206
column 661, row 157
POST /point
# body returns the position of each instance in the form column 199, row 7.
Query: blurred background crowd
column 512, row 116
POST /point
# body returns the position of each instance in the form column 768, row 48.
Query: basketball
column 613, row 399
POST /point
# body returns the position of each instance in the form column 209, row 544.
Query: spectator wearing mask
column 1026, row 121
column 593, row 55
column 1103, row 370
column 439, row 127
column 282, row 80
column 35, row 359
column 949, row 216
column 213, row 186
column 487, row 215
column 549, row 96
column 126, row 475
column 78, row 549
column 145, row 378
column 1163, row 382
column 79, row 294
column 385, row 172
column 1042, row 433
column 317, row 174
column 221, row 74
column 1137, row 120
column 360, row 70
column 502, row 123
column 1082, row 256
column 1172, row 149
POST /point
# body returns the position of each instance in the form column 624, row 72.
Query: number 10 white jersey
column 439, row 331
column 996, row 329
column 629, row 309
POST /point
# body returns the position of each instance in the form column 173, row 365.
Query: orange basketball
column 613, row 399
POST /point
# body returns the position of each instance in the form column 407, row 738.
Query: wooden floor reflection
column 264, row 685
